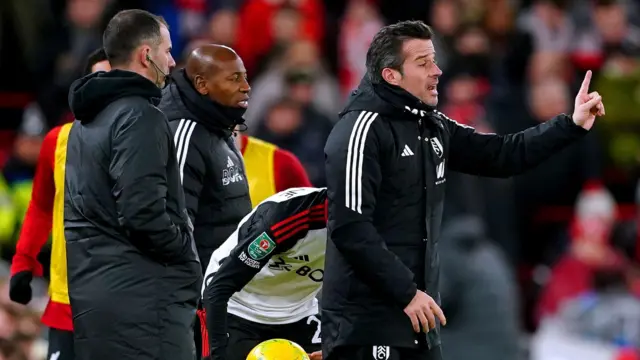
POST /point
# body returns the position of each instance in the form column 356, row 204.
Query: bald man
column 204, row 103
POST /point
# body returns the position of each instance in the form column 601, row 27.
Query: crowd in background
column 556, row 248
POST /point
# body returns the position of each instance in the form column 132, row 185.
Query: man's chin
column 431, row 101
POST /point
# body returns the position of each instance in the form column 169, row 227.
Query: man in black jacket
column 386, row 162
column 204, row 104
column 133, row 271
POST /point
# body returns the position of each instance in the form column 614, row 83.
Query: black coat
column 133, row 272
column 211, row 167
column 387, row 160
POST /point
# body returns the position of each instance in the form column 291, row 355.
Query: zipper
column 424, row 180
column 425, row 239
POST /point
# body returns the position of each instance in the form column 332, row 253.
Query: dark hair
column 95, row 57
column 385, row 50
column 127, row 30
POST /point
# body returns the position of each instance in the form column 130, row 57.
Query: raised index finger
column 584, row 88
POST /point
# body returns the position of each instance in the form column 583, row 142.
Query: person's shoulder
column 285, row 157
column 439, row 115
column 361, row 116
column 288, row 203
column 52, row 135
column 148, row 112
column 262, row 145
column 138, row 114
column 359, row 120
column 355, row 126
column 185, row 127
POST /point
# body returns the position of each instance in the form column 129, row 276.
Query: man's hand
column 422, row 311
column 587, row 105
column 317, row 355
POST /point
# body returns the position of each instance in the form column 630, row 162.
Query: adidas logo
column 407, row 151
column 229, row 162
column 302, row 258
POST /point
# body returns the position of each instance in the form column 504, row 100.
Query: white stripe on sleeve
column 355, row 156
column 182, row 140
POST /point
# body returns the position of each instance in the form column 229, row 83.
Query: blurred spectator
column 499, row 19
column 301, row 57
column 10, row 351
column 8, row 216
column 27, row 332
column 619, row 80
column 8, row 322
column 470, row 59
column 464, row 102
column 550, row 25
column 263, row 24
column 360, row 23
column 445, row 19
column 20, row 168
column 223, row 27
column 590, row 251
column 472, row 53
column 478, row 295
column 297, row 127
column 549, row 65
column 17, row 175
column 605, row 27
column 557, row 182
column 552, row 33
column 63, row 54
column 19, row 329
column 609, row 313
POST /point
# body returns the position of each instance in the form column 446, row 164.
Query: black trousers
column 60, row 345
column 132, row 333
column 381, row 352
column 244, row 335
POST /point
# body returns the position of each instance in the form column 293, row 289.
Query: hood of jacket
column 387, row 100
column 89, row 95
column 181, row 100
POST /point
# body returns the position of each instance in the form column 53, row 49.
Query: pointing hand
column 587, row 105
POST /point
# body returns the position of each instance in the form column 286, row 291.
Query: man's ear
column 143, row 55
column 200, row 84
column 391, row 76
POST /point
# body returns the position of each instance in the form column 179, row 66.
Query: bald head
column 208, row 59
column 218, row 72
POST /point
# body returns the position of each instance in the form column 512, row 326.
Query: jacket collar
column 201, row 109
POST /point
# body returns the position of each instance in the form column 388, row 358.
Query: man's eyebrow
column 420, row 57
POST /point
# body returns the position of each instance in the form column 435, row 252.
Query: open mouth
column 433, row 89
column 243, row 103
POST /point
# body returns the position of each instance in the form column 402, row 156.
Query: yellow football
column 278, row 349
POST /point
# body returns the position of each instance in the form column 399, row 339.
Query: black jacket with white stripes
column 387, row 161
column 211, row 167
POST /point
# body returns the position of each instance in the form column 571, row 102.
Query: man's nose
column 437, row 71
column 245, row 88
